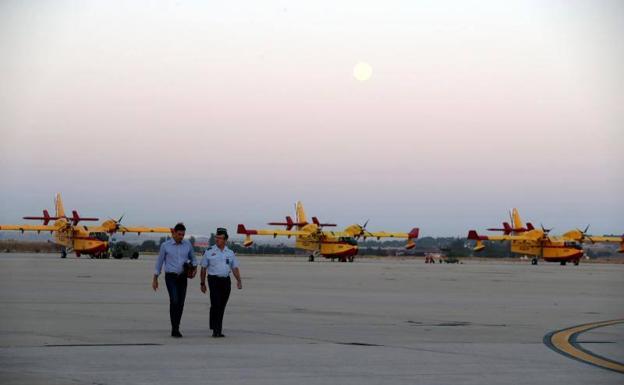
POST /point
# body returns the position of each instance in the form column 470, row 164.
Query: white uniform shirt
column 219, row 262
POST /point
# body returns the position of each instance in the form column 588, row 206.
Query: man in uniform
column 218, row 261
column 174, row 253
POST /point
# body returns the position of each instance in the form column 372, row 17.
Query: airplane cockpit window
column 573, row 244
column 100, row 236
column 348, row 240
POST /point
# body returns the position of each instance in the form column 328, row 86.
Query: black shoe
column 215, row 334
column 220, row 335
column 176, row 334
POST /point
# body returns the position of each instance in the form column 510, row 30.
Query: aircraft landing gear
column 563, row 263
column 351, row 259
column 63, row 253
column 576, row 262
column 534, row 261
column 314, row 255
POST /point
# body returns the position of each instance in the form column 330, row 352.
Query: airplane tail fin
column 77, row 218
column 316, row 221
column 474, row 236
column 411, row 237
column 46, row 218
column 58, row 205
column 248, row 233
column 289, row 223
column 301, row 215
column 515, row 217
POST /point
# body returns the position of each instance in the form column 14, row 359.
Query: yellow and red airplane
column 341, row 245
column 89, row 240
column 527, row 240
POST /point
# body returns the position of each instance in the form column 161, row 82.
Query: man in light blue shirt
column 218, row 262
column 174, row 254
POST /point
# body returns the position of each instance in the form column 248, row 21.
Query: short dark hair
column 222, row 231
column 179, row 227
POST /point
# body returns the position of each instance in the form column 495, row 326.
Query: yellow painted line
column 564, row 342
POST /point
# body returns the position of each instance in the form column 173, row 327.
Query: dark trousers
column 220, row 288
column 176, row 286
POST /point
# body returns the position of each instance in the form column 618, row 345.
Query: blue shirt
column 219, row 262
column 173, row 255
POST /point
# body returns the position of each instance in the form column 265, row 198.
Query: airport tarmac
column 84, row 321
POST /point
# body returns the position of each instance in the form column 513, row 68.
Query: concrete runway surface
column 83, row 321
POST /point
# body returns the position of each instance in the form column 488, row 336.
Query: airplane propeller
column 545, row 230
column 117, row 223
column 362, row 230
column 584, row 234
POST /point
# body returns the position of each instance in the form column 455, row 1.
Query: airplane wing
column 533, row 235
column 127, row 229
column 23, row 228
column 610, row 239
column 372, row 234
column 595, row 239
column 272, row 232
column 357, row 231
column 385, row 234
column 580, row 236
column 143, row 229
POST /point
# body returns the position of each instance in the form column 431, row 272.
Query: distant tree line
column 12, row 245
column 154, row 246
column 450, row 246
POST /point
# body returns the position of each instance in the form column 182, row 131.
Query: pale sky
column 224, row 113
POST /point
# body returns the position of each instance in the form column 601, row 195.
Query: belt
column 172, row 273
column 218, row 276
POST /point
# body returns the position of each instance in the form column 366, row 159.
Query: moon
column 362, row 71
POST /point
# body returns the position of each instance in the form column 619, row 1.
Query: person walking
column 217, row 263
column 177, row 257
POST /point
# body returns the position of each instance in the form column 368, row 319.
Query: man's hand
column 237, row 275
column 202, row 286
column 155, row 283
